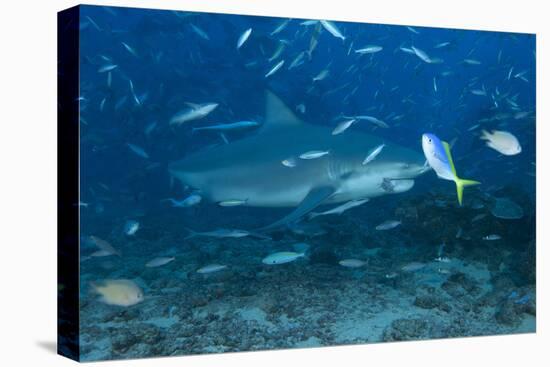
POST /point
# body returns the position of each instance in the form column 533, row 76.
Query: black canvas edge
column 68, row 218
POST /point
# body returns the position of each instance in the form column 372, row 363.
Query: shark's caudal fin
column 313, row 199
column 460, row 183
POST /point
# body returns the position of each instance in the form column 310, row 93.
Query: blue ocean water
column 401, row 266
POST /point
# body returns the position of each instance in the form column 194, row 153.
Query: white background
column 28, row 181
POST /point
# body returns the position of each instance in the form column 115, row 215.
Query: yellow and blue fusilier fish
column 438, row 155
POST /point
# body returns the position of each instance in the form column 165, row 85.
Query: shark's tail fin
column 460, row 184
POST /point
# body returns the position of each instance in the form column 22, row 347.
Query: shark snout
column 409, row 170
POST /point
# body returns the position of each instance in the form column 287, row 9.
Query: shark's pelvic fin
column 277, row 114
column 313, row 199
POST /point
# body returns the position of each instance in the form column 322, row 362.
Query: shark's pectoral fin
column 313, row 199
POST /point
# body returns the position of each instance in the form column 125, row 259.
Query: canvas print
column 239, row 183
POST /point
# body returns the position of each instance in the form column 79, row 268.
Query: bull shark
column 250, row 169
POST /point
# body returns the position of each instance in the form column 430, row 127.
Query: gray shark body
column 251, row 169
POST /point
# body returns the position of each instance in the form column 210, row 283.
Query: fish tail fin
column 460, row 184
column 94, row 287
column 191, row 233
column 485, row 134
column 313, row 215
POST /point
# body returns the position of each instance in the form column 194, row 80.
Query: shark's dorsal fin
column 277, row 114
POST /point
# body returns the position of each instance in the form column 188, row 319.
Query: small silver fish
column 343, row 126
column 202, row 34
column 322, row 75
column 308, row 23
column 332, row 29
column 228, row 127
column 105, row 248
column 159, row 261
column 278, row 51
column 212, row 268
column 370, row 49
column 389, row 224
column 297, row 61
column 244, row 36
column 472, row 62
column 131, row 227
column 102, row 104
column 478, row 217
column 373, row 120
column 314, row 154
column 492, row 237
column 289, row 162
column 149, row 129
column 106, row 68
column 479, row 92
column 234, row 202
column 413, row 266
column 280, row 27
column 275, row 68
column 422, row 55
column 281, row 258
column 219, row 233
column 407, row 50
column 301, row 108
column 100, row 253
column 129, row 49
column 352, row 263
column 138, row 150
column 189, row 201
column 373, row 154
column 442, row 44
column 194, row 112
column 340, row 209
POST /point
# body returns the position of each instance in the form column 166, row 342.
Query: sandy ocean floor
column 312, row 301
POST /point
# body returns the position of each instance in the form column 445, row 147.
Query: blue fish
column 438, row 155
column 523, row 300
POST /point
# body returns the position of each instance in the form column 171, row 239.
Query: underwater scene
column 257, row 183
